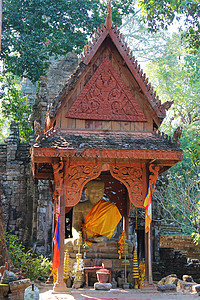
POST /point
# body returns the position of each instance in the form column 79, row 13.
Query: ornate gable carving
column 106, row 97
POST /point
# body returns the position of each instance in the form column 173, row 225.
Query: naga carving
column 177, row 135
column 133, row 177
column 58, row 176
column 38, row 130
column 106, row 97
column 76, row 177
column 153, row 177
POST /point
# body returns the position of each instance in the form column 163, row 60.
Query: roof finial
column 108, row 22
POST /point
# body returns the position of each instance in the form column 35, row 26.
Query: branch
column 129, row 19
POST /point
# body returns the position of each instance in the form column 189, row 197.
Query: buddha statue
column 96, row 218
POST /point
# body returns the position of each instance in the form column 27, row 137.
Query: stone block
column 31, row 293
column 17, row 289
column 196, row 288
column 167, row 288
column 107, row 263
column 187, row 278
column 170, row 279
column 4, row 289
column 102, row 286
column 8, row 277
column 186, row 286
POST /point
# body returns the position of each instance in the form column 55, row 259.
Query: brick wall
column 183, row 243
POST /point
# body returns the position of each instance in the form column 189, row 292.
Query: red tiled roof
column 88, row 53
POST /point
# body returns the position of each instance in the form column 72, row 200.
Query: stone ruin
column 26, row 203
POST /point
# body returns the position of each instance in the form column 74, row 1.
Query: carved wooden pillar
column 59, row 189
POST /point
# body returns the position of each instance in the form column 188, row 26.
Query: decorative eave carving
column 58, row 175
column 154, row 170
column 134, row 178
column 106, row 97
column 119, row 41
column 76, row 176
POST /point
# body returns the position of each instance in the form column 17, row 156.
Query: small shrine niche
column 103, row 126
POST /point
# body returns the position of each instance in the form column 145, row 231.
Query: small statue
column 177, row 135
column 3, row 268
column 38, row 129
column 166, row 105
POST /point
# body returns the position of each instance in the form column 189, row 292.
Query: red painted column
column 60, row 286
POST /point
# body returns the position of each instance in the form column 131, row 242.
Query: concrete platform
column 46, row 293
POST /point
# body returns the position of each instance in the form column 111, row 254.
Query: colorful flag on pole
column 56, row 250
column 148, row 210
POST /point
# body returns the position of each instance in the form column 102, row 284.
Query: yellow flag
column 148, row 210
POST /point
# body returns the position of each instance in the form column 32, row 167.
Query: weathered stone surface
column 125, row 286
column 186, row 286
column 17, row 289
column 8, row 277
column 19, row 285
column 26, row 203
column 4, row 289
column 120, row 281
column 31, row 293
column 187, row 278
column 114, row 283
column 170, row 279
column 166, row 288
column 196, row 288
column 102, row 286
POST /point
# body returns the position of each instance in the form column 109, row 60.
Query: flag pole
column 150, row 256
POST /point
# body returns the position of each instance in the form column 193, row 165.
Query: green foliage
column 37, row 29
column 13, row 106
column 34, row 267
column 180, row 202
column 176, row 76
column 162, row 13
column 145, row 45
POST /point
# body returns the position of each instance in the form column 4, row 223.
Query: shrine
column 103, row 126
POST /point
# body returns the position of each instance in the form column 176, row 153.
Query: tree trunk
column 0, row 22
column 4, row 255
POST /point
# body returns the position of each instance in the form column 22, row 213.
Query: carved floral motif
column 58, row 175
column 106, row 97
column 153, row 177
column 133, row 177
column 76, row 177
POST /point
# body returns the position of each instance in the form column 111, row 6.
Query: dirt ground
column 46, row 293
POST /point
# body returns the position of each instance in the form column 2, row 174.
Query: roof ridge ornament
column 108, row 23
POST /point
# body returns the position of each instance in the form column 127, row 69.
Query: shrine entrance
column 104, row 125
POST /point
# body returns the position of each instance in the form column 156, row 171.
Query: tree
column 14, row 107
column 180, row 202
column 176, row 76
column 161, row 14
column 145, row 45
column 37, row 29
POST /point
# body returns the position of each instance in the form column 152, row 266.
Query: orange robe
column 102, row 219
